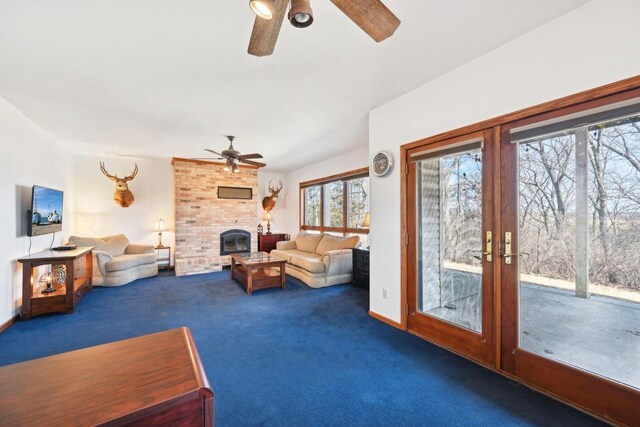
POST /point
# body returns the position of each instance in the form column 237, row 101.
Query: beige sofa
column 318, row 260
column 116, row 261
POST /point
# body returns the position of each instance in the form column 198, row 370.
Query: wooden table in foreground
column 65, row 297
column 154, row 379
column 258, row 271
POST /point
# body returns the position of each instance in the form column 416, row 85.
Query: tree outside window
column 337, row 206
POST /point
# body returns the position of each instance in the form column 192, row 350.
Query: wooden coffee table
column 258, row 271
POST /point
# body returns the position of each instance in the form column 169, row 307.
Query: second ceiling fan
column 232, row 157
column 371, row 16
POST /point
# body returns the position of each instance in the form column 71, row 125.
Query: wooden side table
column 164, row 262
column 63, row 298
column 267, row 242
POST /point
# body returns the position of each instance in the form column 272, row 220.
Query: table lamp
column 267, row 217
column 160, row 227
column 365, row 222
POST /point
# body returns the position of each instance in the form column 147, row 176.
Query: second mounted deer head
column 123, row 196
column 269, row 202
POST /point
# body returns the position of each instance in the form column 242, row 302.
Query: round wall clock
column 382, row 163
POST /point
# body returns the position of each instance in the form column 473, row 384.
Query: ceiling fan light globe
column 236, row 169
column 262, row 8
column 300, row 14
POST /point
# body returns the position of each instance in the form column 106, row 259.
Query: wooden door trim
column 404, row 236
column 613, row 401
column 545, row 107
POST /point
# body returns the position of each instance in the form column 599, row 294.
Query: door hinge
column 406, row 169
column 406, row 239
column 406, row 309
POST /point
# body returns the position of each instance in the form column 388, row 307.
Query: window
column 312, row 206
column 336, row 204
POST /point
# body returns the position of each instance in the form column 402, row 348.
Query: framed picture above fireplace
column 241, row 193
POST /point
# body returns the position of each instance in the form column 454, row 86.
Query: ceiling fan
column 371, row 16
column 233, row 157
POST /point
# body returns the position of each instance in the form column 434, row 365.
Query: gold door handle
column 507, row 248
column 489, row 245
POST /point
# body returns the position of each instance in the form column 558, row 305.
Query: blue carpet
column 295, row 357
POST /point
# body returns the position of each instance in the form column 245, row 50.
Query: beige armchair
column 318, row 260
column 116, row 261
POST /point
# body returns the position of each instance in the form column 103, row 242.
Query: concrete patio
column 599, row 334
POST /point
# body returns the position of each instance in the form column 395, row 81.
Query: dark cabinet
column 267, row 242
column 361, row 267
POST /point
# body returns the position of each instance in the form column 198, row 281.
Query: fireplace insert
column 234, row 242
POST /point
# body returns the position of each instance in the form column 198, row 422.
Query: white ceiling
column 162, row 78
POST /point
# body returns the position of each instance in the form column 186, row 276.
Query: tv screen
column 46, row 211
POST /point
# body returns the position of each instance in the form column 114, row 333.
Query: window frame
column 345, row 177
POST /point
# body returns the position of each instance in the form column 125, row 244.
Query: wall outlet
column 385, row 293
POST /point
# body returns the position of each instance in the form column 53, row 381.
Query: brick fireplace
column 201, row 217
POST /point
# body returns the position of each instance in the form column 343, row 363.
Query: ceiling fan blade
column 206, row 158
column 265, row 31
column 251, row 162
column 216, row 153
column 372, row 16
column 250, row 156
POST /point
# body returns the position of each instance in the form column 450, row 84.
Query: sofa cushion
column 331, row 243
column 115, row 245
column 310, row 262
column 124, row 262
column 307, row 242
column 287, row 254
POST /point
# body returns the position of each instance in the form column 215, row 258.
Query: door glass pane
column 579, row 238
column 333, row 203
column 450, row 238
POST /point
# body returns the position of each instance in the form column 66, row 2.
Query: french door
column 451, row 251
column 522, row 249
column 570, row 213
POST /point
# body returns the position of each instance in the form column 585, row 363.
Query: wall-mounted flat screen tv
column 46, row 211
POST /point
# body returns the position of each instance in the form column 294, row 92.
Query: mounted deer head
column 122, row 196
column 269, row 202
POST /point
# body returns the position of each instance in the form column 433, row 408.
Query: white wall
column 28, row 156
column 280, row 210
column 593, row 45
column 97, row 214
column 351, row 160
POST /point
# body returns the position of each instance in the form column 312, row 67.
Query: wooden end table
column 258, row 271
column 64, row 297
column 164, row 262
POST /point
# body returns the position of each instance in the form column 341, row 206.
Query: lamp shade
column 160, row 225
column 266, row 216
column 365, row 222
